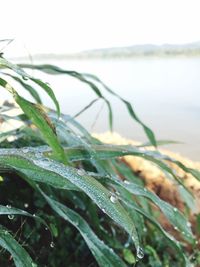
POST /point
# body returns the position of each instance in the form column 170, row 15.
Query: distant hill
column 191, row 49
column 145, row 50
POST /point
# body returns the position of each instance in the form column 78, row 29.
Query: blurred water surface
column 165, row 93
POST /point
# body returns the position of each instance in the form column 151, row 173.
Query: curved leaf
column 104, row 255
column 39, row 118
column 6, row 64
column 19, row 254
column 59, row 175
column 173, row 214
column 26, row 86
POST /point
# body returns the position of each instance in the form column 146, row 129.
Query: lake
column 165, row 93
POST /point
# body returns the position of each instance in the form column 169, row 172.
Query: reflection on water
column 165, row 93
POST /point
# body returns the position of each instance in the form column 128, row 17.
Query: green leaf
column 28, row 87
column 128, row 256
column 172, row 213
column 59, row 175
column 129, row 107
column 23, row 161
column 174, row 243
column 86, row 107
column 51, row 69
column 49, row 91
column 114, row 151
column 161, row 143
column 11, row 211
column 40, row 119
column 104, row 255
column 19, row 254
column 6, row 64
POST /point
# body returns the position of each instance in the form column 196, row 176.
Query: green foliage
column 62, row 192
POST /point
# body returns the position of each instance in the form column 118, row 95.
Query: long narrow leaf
column 59, row 175
column 19, row 254
column 104, row 255
column 39, row 118
column 6, row 64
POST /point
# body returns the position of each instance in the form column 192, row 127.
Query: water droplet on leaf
column 113, row 199
column 52, row 245
column 11, row 216
column 140, row 253
column 81, row 172
column 25, row 150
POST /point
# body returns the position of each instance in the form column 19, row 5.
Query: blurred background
column 147, row 51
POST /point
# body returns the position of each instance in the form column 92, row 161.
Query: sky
column 62, row 26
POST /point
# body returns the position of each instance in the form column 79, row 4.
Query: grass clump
column 67, row 199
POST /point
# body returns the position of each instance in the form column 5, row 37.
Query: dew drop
column 175, row 228
column 11, row 216
column 8, row 206
column 26, row 205
column 145, row 229
column 140, row 253
column 52, row 245
column 76, row 223
column 113, row 199
column 188, row 224
column 103, row 211
column 81, row 172
column 175, row 209
column 126, row 245
column 25, row 150
column 196, row 242
column 126, row 182
column 34, row 215
column 46, row 228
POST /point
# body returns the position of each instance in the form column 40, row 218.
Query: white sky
column 68, row 26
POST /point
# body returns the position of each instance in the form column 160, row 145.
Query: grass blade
column 6, row 64
column 19, row 254
column 104, row 255
column 59, row 175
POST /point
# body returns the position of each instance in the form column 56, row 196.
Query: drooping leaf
column 39, row 118
column 58, row 175
column 11, row 212
column 86, row 107
column 104, row 255
column 129, row 203
column 51, row 69
column 129, row 107
column 27, row 87
column 172, row 213
column 6, row 64
column 19, row 254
